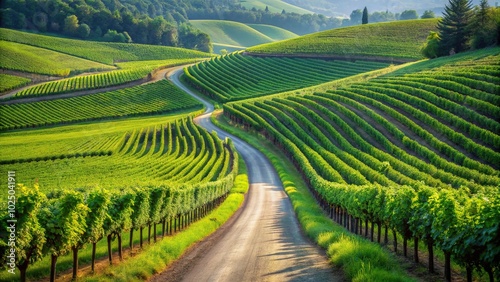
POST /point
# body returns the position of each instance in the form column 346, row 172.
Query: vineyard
column 8, row 82
column 128, row 72
column 257, row 76
column 191, row 171
column 387, row 40
column 109, row 53
column 155, row 98
column 417, row 154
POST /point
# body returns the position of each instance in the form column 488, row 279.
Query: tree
column 408, row 15
column 30, row 234
column 483, row 26
column 454, row 27
column 70, row 25
column 267, row 9
column 364, row 20
column 356, row 16
column 428, row 14
column 430, row 49
column 83, row 31
column 64, row 223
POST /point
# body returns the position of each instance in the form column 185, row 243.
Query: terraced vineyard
column 391, row 40
column 154, row 98
column 418, row 154
column 235, row 76
column 131, row 71
column 169, row 174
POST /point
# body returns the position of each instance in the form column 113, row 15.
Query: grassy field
column 233, row 35
column 273, row 32
column 275, row 6
column 400, row 39
column 258, row 76
column 109, row 53
column 399, row 148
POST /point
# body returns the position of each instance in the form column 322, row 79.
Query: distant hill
column 275, row 6
column 236, row 36
column 344, row 8
column 397, row 40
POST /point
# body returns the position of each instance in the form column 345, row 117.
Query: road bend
column 264, row 242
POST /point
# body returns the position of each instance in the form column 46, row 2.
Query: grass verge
column 360, row 259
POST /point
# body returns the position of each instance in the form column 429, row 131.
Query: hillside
column 108, row 53
column 275, row 6
column 232, row 36
column 399, row 40
column 276, row 33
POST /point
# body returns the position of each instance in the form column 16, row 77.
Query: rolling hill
column 386, row 40
column 236, row 36
column 275, row 6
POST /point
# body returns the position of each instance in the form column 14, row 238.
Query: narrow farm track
column 263, row 242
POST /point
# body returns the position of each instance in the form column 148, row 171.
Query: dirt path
column 263, row 242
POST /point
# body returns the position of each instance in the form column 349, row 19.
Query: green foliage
column 454, row 29
column 428, row 14
column 156, row 98
column 109, row 53
column 332, row 136
column 21, row 57
column 387, row 40
column 216, row 79
column 8, row 82
column 430, row 49
column 409, row 15
column 364, row 18
column 130, row 71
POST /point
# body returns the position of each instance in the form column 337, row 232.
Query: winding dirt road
column 263, row 242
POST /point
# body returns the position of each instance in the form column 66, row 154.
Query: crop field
column 258, row 76
column 386, row 40
column 8, row 82
column 21, row 57
column 171, row 174
column 128, row 72
column 154, row 98
column 417, row 153
column 109, row 53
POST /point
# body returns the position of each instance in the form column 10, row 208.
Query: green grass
column 8, row 82
column 154, row 98
column 397, row 40
column 26, row 58
column 108, row 53
column 274, row 32
column 275, row 6
column 231, row 33
column 359, row 259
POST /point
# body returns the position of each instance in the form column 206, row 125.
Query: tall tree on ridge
column 454, row 27
column 364, row 20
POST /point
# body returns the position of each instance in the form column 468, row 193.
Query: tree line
column 462, row 28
